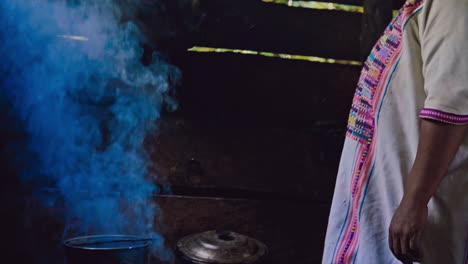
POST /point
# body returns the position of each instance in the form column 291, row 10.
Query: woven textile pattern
column 373, row 84
column 361, row 120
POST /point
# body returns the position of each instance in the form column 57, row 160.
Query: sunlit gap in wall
column 318, row 5
column 322, row 5
column 249, row 52
column 275, row 55
column 71, row 37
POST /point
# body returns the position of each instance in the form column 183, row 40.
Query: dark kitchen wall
column 255, row 144
column 32, row 232
column 258, row 123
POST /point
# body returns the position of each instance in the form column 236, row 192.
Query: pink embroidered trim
column 362, row 123
column 445, row 117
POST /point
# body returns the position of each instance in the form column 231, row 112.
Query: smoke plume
column 73, row 75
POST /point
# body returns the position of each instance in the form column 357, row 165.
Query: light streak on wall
column 322, row 5
column 318, row 5
column 71, row 37
column 274, row 55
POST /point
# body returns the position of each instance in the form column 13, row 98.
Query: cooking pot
column 107, row 249
column 221, row 247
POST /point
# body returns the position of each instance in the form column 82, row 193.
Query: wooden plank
column 377, row 15
column 234, row 160
column 294, row 233
column 396, row 3
column 256, row 25
column 247, row 122
column 232, row 87
column 346, row 2
column 253, row 24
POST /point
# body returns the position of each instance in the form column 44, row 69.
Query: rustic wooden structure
column 256, row 142
column 377, row 15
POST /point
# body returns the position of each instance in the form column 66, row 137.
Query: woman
column 401, row 193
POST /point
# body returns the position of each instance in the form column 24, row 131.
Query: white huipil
column 418, row 69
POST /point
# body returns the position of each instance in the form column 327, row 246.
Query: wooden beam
column 265, row 90
column 346, row 2
column 377, row 15
column 261, row 26
column 251, row 24
column 265, row 26
column 215, row 158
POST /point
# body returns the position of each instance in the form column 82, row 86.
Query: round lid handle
column 221, row 247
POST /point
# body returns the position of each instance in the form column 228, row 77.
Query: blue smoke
column 87, row 105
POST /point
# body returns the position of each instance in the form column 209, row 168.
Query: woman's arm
column 438, row 145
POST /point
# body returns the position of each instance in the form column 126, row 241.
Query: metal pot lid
column 226, row 247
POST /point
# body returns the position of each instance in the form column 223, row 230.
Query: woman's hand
column 438, row 144
column 406, row 229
